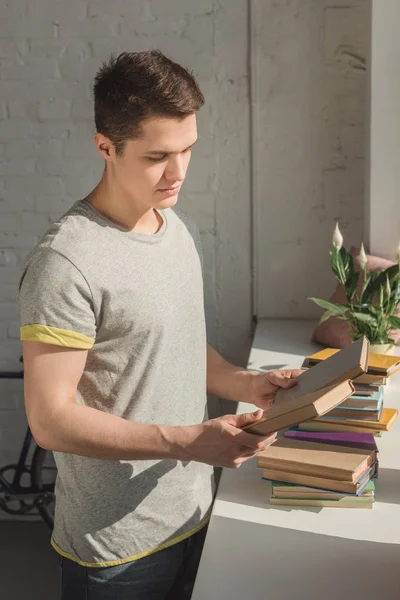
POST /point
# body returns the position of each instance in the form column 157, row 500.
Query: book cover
column 363, row 389
column 284, row 414
column 349, row 363
column 337, row 427
column 372, row 401
column 378, row 364
column 353, row 439
column 340, row 503
column 322, row 483
column 369, row 379
column 291, row 490
column 354, row 413
column 317, row 459
column 389, row 416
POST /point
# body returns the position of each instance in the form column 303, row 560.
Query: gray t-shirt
column 135, row 302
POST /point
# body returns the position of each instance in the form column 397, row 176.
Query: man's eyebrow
column 166, row 151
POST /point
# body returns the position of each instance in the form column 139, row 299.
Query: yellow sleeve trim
column 55, row 336
column 122, row 561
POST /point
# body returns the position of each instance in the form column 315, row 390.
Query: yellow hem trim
column 55, row 336
column 122, row 561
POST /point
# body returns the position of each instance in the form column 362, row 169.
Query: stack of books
column 326, row 458
column 315, row 471
column 364, row 410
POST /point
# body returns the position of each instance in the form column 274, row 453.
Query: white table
column 256, row 551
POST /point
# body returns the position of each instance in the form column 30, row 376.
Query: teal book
column 294, row 490
column 367, row 401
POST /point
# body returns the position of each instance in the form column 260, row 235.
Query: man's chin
column 168, row 202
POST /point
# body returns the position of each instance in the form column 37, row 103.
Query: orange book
column 389, row 416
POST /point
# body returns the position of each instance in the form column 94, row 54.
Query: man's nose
column 176, row 169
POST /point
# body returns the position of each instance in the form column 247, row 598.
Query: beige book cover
column 356, row 503
column 320, row 482
column 290, row 412
column 349, row 363
column 317, row 459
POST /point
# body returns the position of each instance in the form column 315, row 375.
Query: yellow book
column 389, row 416
column 378, row 364
column 317, row 426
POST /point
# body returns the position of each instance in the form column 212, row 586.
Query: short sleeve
column 55, row 302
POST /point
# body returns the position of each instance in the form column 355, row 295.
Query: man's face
column 152, row 168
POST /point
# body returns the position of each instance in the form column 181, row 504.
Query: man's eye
column 157, row 158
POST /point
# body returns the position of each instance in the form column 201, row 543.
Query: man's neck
column 117, row 207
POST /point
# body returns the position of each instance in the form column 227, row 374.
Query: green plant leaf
column 394, row 322
column 339, row 263
column 327, row 315
column 395, row 294
column 369, row 319
column 392, row 271
column 378, row 278
column 334, row 309
column 352, row 285
column 371, row 286
column 346, row 257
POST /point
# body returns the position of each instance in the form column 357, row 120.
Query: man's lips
column 174, row 188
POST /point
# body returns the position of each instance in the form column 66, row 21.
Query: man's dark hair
column 133, row 86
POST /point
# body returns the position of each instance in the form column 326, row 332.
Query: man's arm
column 226, row 380
column 59, row 423
column 237, row 384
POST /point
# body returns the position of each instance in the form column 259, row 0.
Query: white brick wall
column 311, row 92
column 49, row 52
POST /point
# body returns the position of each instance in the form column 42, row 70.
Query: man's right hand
column 222, row 443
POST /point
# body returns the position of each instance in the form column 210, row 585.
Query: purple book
column 366, row 441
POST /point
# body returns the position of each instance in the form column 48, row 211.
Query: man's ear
column 104, row 146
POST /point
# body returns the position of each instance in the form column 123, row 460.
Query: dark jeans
column 165, row 575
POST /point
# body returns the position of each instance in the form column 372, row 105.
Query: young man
column 116, row 360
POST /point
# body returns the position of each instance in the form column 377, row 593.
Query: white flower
column 363, row 258
column 337, row 239
column 398, row 253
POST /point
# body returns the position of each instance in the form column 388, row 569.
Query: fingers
column 255, row 442
column 246, row 454
column 245, row 451
column 244, row 458
column 285, row 379
column 244, row 419
column 298, row 372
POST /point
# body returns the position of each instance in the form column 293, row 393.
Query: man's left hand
column 264, row 386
